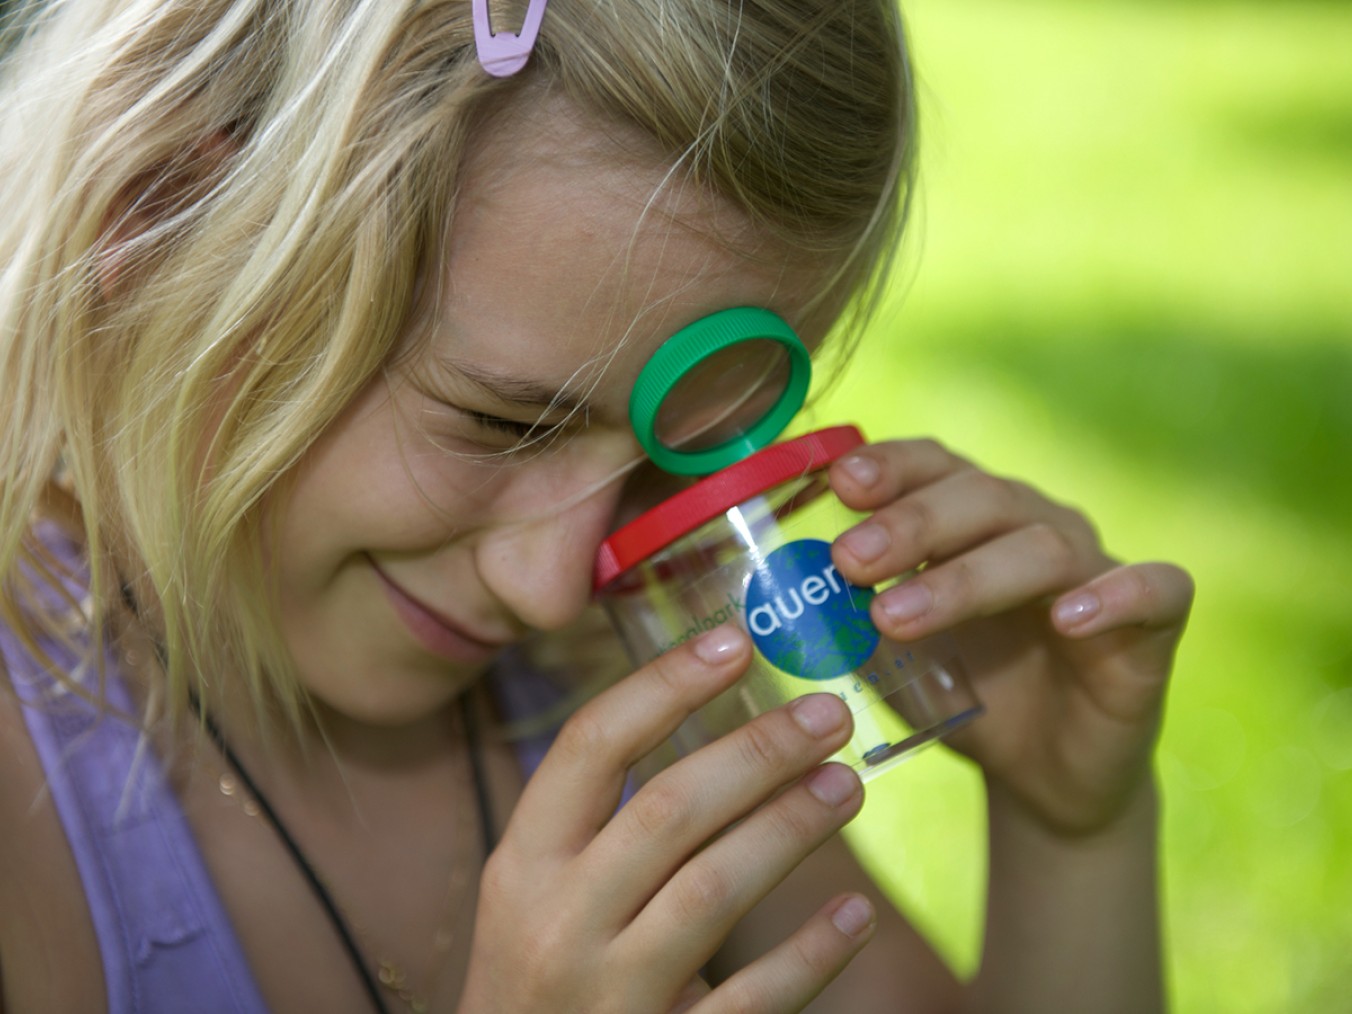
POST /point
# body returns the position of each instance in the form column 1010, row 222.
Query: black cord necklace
column 487, row 831
column 303, row 863
column 316, row 886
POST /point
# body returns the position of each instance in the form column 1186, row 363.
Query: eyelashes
column 500, row 435
column 506, row 427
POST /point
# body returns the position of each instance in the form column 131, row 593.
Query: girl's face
column 416, row 541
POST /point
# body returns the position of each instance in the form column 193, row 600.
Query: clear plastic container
column 751, row 545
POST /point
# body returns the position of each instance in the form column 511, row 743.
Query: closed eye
column 510, row 427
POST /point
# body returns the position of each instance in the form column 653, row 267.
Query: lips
column 433, row 631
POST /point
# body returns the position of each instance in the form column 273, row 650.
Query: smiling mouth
column 434, row 632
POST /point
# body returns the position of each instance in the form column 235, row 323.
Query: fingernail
column 1076, row 609
column 867, row 542
column 854, row 917
column 832, row 784
column 906, row 602
column 818, row 714
column 862, row 470
column 718, row 644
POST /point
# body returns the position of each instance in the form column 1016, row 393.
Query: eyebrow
column 517, row 390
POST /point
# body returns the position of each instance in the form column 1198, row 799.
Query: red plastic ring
column 681, row 514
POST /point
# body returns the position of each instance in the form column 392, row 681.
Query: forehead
column 575, row 249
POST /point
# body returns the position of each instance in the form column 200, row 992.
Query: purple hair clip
column 504, row 54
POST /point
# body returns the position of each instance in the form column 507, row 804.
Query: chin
column 392, row 700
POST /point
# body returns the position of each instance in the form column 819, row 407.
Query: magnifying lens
column 719, row 390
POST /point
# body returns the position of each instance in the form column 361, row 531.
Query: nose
column 540, row 567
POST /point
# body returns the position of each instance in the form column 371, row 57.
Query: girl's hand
column 586, row 909
column 1069, row 650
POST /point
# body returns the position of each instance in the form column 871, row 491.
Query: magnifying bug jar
column 751, row 545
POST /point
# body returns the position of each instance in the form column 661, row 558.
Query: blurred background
column 1129, row 281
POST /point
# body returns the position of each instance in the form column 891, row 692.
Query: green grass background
column 1130, row 281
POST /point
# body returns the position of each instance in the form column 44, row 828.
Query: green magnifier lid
column 719, row 390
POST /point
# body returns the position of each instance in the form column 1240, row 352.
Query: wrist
column 1072, row 919
column 1132, row 819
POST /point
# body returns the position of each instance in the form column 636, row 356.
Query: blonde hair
column 217, row 213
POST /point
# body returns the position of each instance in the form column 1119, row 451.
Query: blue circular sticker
column 804, row 617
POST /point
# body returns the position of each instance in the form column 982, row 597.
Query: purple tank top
column 166, row 941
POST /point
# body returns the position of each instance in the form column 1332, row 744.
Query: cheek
column 371, row 484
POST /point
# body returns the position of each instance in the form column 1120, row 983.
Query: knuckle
column 746, row 997
column 1005, row 495
column 702, row 892
column 1025, row 491
column 931, row 447
column 1055, row 548
column 1187, row 586
column 796, row 823
column 546, row 952
column 760, row 747
column 941, row 456
column 1077, row 526
column 913, row 521
column 584, row 735
column 661, row 808
column 810, row 952
column 668, row 677
column 957, row 581
column 1139, row 588
column 498, row 876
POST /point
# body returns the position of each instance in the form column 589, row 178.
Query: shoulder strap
column 166, row 941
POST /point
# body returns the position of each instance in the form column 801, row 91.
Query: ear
column 153, row 197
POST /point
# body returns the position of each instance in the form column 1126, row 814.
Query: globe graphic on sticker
column 804, row 617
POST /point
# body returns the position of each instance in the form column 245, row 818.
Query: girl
column 317, row 342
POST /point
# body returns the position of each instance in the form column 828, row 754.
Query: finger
column 695, row 990
column 1156, row 596
column 1122, row 629
column 692, row 801
column 946, row 517
column 581, row 779
column 695, row 911
column 876, row 474
column 791, row 975
column 1009, row 571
